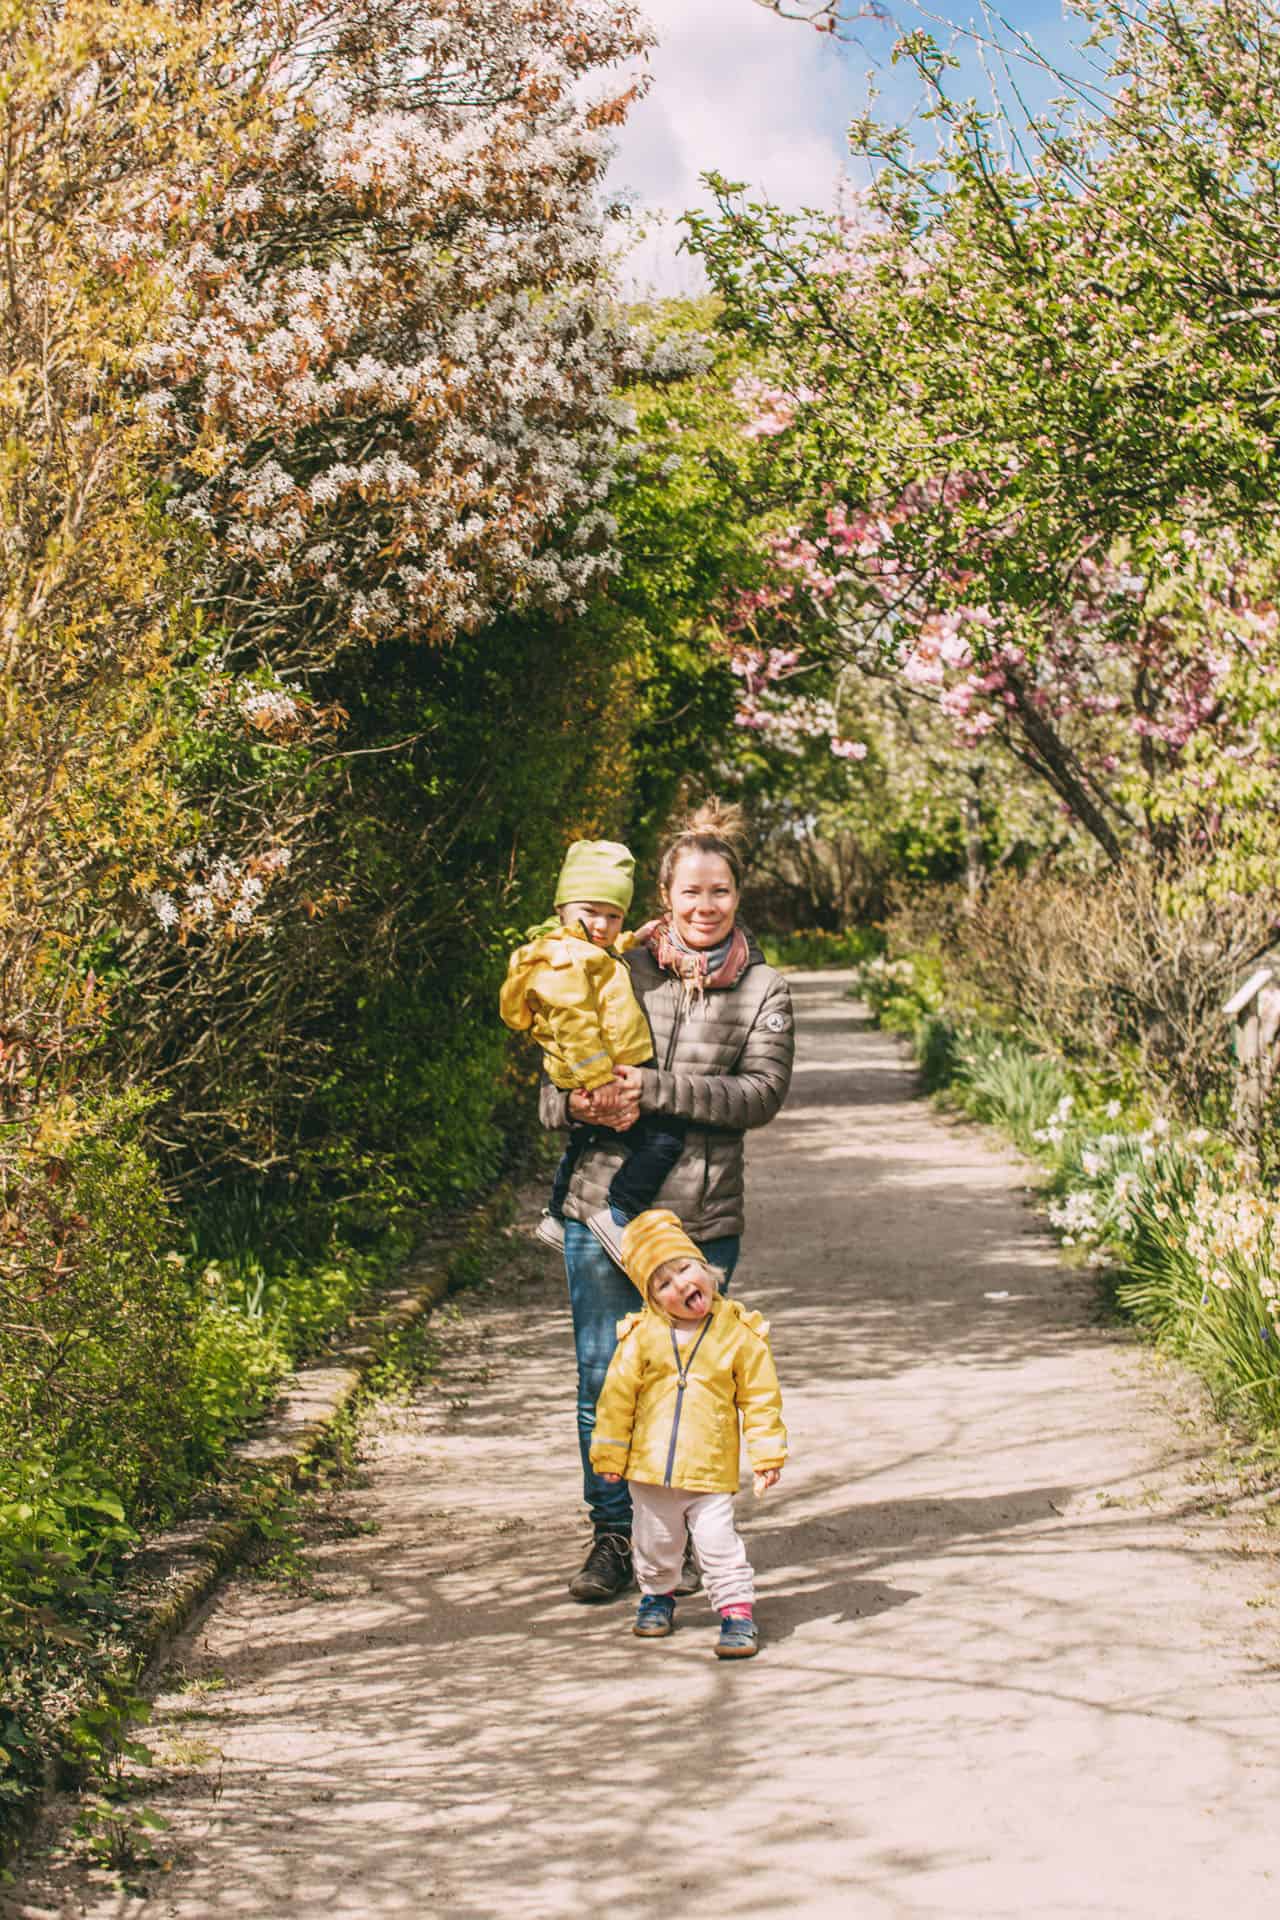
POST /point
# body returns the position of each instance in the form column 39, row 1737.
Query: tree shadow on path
column 967, row 1656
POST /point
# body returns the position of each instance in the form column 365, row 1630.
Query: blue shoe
column 655, row 1617
column 738, row 1638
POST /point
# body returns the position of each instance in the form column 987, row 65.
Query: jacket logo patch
column 777, row 1022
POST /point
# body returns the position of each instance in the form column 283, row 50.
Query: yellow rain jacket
column 668, row 1414
column 576, row 1000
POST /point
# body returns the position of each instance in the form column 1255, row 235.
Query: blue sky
column 767, row 101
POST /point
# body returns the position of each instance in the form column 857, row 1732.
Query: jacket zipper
column 682, row 1380
column 677, row 1022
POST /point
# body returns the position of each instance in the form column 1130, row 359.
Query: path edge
column 284, row 1445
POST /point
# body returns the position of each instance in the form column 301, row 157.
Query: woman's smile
column 703, row 899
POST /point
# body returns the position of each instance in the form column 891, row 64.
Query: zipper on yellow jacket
column 682, row 1381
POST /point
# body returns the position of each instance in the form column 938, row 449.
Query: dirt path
column 1015, row 1663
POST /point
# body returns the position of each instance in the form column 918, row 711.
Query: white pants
column 660, row 1517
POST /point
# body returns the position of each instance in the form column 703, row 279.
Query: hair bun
column 718, row 817
column 714, row 827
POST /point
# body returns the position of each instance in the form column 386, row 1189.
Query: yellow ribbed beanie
column 650, row 1239
column 602, row 870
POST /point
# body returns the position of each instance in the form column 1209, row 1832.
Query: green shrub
column 1002, row 1081
column 95, row 1338
column 1203, row 1271
column 62, row 1530
column 937, row 1041
column 819, row 947
column 61, row 1527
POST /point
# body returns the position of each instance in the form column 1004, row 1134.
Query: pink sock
column 740, row 1610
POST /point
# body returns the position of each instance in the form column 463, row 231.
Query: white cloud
column 737, row 90
column 767, row 101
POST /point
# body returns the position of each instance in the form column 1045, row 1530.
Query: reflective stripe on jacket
column 577, row 1001
column 652, row 1428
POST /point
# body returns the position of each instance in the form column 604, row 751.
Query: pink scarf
column 692, row 966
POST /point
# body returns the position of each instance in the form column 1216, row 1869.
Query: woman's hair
column 713, row 827
column 715, row 1276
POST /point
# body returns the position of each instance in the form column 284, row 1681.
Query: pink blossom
column 773, row 409
column 923, row 669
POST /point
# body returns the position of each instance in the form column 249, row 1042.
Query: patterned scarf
column 702, row 969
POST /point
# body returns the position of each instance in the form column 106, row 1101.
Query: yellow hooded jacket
column 668, row 1415
column 577, row 1001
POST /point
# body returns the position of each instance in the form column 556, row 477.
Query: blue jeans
column 600, row 1295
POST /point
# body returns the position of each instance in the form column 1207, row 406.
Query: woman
column 723, row 1040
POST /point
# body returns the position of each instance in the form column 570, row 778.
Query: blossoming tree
column 392, row 378
column 330, row 357
column 1032, row 434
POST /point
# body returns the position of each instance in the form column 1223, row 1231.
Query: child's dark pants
column 653, row 1146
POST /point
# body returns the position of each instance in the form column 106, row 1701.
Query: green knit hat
column 600, row 870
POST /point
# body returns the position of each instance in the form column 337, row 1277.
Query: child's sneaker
column 738, row 1637
column 655, row 1617
column 607, row 1232
column 550, row 1230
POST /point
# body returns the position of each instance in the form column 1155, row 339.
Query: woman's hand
column 615, row 1105
column 767, row 1477
column 627, row 1082
column 611, row 1479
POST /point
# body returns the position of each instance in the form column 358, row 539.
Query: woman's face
column 703, row 899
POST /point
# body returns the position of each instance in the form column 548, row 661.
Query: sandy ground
column 1017, row 1654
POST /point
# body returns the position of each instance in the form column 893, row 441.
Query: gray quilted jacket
column 724, row 1065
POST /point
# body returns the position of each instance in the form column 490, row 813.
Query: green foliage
column 112, row 1828
column 95, row 1338
column 120, row 1390
column 1003, row 1082
column 62, row 1530
column 1202, row 1269
column 817, row 947
column 687, row 519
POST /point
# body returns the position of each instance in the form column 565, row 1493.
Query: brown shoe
column 607, row 1570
